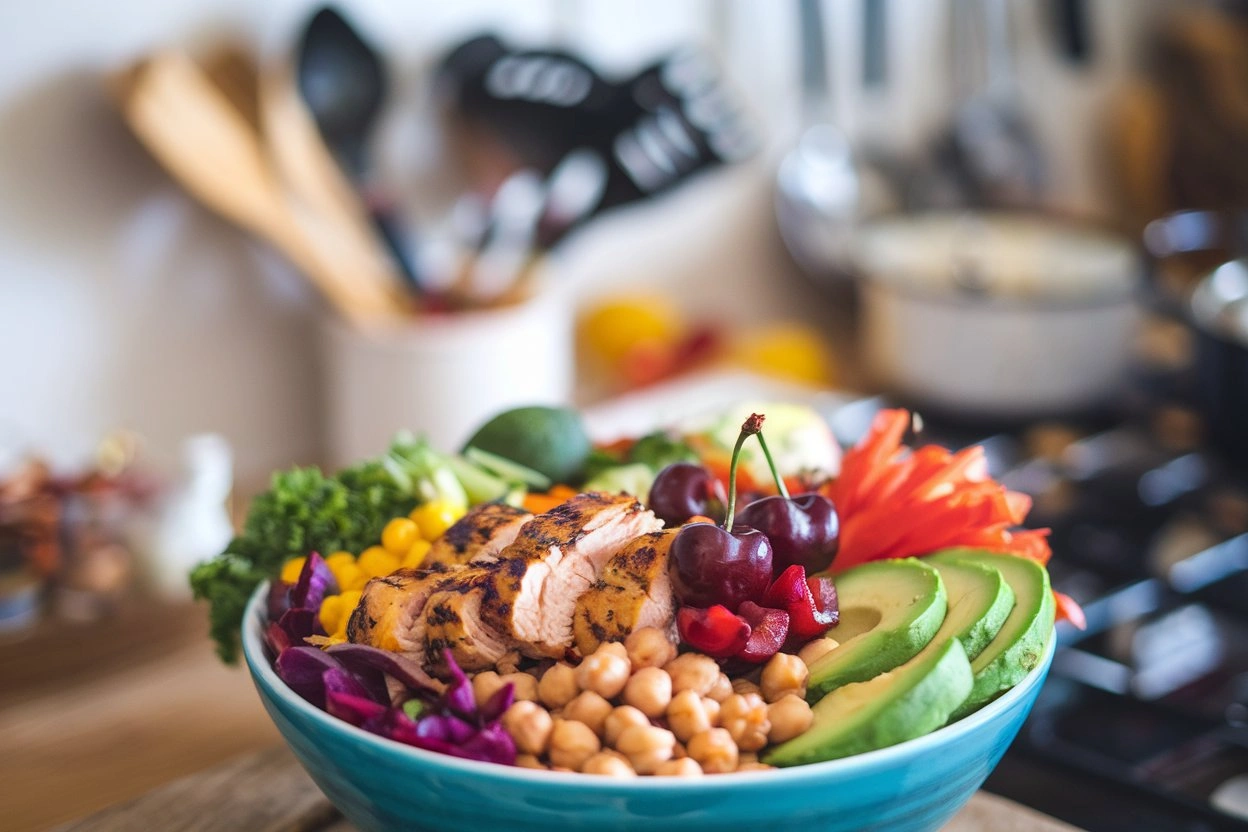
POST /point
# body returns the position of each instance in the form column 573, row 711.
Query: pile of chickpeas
column 637, row 707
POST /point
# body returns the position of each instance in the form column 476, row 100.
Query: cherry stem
column 771, row 463
column 752, row 425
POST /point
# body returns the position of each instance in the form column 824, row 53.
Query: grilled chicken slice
column 453, row 621
column 557, row 557
column 480, row 534
column 633, row 592
column 390, row 614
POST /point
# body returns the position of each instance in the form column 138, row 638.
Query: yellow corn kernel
column 376, row 561
column 398, row 535
column 349, row 601
column 292, row 568
column 435, row 517
column 338, row 558
column 416, row 554
column 349, row 576
column 331, row 613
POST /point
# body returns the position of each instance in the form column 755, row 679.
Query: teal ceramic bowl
column 383, row 786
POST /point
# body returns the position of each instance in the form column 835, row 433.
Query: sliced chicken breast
column 633, row 592
column 390, row 614
column 480, row 534
column 454, row 622
column 557, row 557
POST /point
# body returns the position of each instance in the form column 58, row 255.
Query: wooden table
column 269, row 792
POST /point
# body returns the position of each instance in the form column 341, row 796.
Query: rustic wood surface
column 269, row 792
column 93, row 714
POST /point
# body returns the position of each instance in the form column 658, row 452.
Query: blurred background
column 237, row 236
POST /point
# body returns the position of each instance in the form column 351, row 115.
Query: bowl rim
column 263, row 673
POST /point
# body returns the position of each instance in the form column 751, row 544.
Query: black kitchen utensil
column 342, row 80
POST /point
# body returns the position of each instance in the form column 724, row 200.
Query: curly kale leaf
column 303, row 511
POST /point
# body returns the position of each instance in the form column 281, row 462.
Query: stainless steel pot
column 997, row 315
column 1217, row 313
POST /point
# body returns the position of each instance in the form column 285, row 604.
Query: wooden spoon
column 202, row 139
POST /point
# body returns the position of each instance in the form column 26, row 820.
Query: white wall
column 124, row 304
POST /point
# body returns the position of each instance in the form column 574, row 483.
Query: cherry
column 712, row 565
column 810, row 602
column 803, row 530
column 768, row 630
column 715, row 631
column 682, row 490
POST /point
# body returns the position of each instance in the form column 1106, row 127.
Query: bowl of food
column 761, row 654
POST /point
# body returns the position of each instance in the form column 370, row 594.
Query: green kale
column 659, row 450
column 303, row 511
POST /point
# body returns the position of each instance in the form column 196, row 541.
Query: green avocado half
column 1020, row 644
column 890, row 609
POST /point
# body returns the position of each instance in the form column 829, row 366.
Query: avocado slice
column 1019, row 646
column 980, row 600
column 890, row 609
column 907, row 702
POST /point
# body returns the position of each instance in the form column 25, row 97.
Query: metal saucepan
column 1217, row 313
column 997, row 316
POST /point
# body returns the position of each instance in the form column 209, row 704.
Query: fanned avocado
column 980, row 600
column 907, row 702
column 1019, row 646
column 890, row 609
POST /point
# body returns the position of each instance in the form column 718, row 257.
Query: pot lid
column 1024, row 256
column 1220, row 301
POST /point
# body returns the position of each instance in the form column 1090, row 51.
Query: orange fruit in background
column 610, row 330
column 791, row 352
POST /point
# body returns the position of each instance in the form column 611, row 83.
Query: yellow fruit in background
column 291, row 569
column 791, row 352
column 611, row 329
column 348, row 601
column 398, row 535
column 416, row 554
column 338, row 559
column 376, row 561
column 435, row 517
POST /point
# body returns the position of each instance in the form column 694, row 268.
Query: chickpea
column 722, row 688
column 558, row 685
column 619, row 719
column 743, row 686
column 789, row 717
column 714, row 751
column 649, row 647
column 784, row 674
column 754, row 766
column 529, row 761
column 525, row 685
column 529, row 725
column 746, row 758
column 684, row 767
column 679, row 752
column 589, row 708
column 712, row 708
column 572, row 743
column 816, row 649
column 609, row 764
column 616, row 648
column 686, row 715
column 692, row 671
column 649, row 691
column 605, row 673
column 745, row 718
column 485, row 685
column 646, row 746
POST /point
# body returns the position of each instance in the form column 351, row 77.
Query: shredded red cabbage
column 348, row 681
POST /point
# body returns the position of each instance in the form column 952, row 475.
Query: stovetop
column 1143, row 722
